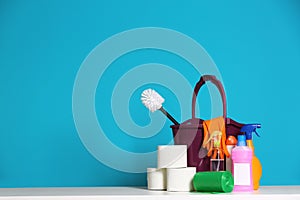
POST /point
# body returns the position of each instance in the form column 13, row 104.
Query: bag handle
column 218, row 84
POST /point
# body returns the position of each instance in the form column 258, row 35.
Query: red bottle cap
column 231, row 140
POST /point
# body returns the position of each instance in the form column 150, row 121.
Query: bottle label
column 242, row 174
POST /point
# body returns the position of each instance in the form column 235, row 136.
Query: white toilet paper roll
column 156, row 179
column 180, row 179
column 171, row 156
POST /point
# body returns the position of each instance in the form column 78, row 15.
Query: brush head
column 152, row 100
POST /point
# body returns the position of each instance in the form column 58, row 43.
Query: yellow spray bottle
column 248, row 129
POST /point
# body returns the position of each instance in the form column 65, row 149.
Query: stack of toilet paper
column 172, row 173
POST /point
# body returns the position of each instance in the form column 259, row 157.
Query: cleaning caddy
column 211, row 154
column 195, row 132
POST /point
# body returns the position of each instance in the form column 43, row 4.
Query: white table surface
column 90, row 193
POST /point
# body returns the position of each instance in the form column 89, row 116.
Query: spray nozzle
column 248, row 129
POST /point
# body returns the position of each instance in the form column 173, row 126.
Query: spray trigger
column 248, row 129
column 256, row 133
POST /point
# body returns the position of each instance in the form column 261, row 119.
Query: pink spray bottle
column 242, row 166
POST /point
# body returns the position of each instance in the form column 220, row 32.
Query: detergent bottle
column 248, row 129
column 242, row 166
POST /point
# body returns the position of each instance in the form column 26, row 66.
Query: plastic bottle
column 242, row 166
column 249, row 129
column 217, row 163
column 230, row 144
column 217, row 158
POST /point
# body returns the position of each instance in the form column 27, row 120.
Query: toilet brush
column 153, row 101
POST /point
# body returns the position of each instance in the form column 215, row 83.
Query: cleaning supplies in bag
column 214, row 141
column 249, row 129
column 242, row 166
column 191, row 131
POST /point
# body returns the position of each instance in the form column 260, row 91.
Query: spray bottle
column 242, row 166
column 248, row 129
column 217, row 157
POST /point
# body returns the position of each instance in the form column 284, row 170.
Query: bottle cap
column 241, row 140
column 231, row 140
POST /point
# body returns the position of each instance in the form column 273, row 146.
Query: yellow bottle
column 256, row 167
column 248, row 129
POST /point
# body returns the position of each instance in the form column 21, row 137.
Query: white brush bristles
column 152, row 100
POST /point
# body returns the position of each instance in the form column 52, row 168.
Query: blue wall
column 255, row 44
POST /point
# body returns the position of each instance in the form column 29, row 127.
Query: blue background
column 255, row 44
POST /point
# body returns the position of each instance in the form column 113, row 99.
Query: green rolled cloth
column 213, row 181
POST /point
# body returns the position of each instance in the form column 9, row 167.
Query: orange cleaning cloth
column 209, row 126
